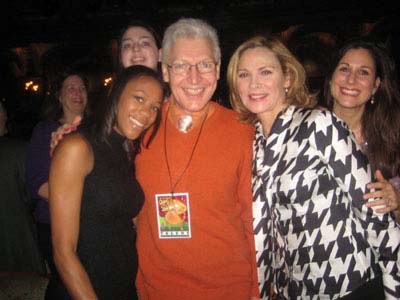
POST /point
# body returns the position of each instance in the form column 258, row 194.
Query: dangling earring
column 286, row 91
column 372, row 99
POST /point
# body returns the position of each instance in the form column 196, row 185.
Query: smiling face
column 354, row 80
column 138, row 47
column 261, row 82
column 191, row 91
column 73, row 96
column 138, row 106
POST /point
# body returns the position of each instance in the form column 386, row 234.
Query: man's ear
column 165, row 72
column 218, row 68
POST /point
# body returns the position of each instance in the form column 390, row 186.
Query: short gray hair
column 190, row 28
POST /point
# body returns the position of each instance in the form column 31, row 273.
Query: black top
column 111, row 198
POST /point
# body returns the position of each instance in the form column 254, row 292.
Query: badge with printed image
column 173, row 215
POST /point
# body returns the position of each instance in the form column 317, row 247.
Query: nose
column 351, row 77
column 136, row 47
column 81, row 92
column 78, row 92
column 147, row 112
column 254, row 82
column 75, row 92
column 194, row 75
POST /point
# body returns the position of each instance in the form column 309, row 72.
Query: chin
column 196, row 109
column 135, row 135
column 198, row 105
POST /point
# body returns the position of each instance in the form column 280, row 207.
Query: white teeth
column 350, row 92
column 193, row 91
column 256, row 97
column 138, row 59
column 136, row 122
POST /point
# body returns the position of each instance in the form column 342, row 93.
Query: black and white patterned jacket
column 315, row 238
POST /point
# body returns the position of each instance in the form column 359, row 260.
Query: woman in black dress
column 94, row 193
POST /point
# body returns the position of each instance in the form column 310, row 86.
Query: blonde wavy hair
column 297, row 95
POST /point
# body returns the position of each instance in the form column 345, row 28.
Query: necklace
column 185, row 123
column 171, row 185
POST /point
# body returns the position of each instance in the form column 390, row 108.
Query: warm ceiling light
column 107, row 81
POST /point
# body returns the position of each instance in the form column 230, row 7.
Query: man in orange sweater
column 195, row 232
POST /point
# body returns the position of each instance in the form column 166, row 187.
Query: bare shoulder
column 75, row 150
column 74, row 143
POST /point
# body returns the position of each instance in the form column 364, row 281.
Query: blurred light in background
column 31, row 86
column 107, row 81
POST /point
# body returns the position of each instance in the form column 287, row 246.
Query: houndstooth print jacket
column 315, row 238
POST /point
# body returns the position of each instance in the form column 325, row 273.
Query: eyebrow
column 362, row 66
column 140, row 91
column 140, row 37
column 260, row 68
column 183, row 60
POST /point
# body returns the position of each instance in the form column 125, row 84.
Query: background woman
column 94, row 193
column 67, row 100
column 314, row 237
column 139, row 44
column 362, row 90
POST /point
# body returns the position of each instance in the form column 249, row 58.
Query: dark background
column 39, row 35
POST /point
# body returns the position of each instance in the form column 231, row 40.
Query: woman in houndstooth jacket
column 315, row 238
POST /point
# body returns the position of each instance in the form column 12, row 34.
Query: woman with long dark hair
column 315, row 238
column 362, row 90
column 94, row 193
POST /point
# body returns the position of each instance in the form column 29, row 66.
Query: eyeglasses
column 182, row 68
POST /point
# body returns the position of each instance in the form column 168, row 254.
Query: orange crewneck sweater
column 218, row 261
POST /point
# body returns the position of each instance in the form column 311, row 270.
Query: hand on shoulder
column 58, row 135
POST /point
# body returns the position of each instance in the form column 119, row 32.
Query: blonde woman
column 315, row 238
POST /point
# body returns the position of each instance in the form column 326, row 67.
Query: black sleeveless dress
column 111, row 198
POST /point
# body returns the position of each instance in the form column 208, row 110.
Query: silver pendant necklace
column 185, row 123
column 171, row 184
